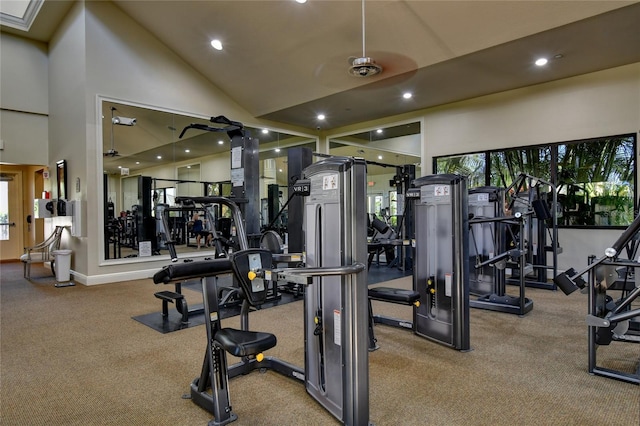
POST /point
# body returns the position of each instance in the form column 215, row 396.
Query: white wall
column 99, row 51
column 587, row 106
column 67, row 122
column 24, row 100
column 598, row 104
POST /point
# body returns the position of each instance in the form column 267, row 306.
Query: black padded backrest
column 183, row 271
column 380, row 226
column 252, row 260
column 271, row 241
column 541, row 209
column 223, row 226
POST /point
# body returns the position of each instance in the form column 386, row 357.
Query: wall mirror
column 146, row 163
column 61, row 173
column 388, row 150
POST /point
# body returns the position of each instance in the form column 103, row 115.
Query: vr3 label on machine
column 302, row 187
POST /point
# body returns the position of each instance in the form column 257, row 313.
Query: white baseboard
column 113, row 277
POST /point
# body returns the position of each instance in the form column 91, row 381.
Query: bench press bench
column 391, row 295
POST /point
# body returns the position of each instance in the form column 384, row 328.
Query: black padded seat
column 271, row 241
column 394, row 295
column 244, row 343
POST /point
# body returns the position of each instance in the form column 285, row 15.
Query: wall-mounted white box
column 77, row 222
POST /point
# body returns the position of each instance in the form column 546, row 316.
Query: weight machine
column 245, row 189
column 489, row 254
column 526, row 195
column 441, row 268
column 335, row 305
column 610, row 320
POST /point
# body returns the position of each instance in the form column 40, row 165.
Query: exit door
column 10, row 215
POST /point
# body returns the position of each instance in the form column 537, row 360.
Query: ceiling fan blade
column 334, row 72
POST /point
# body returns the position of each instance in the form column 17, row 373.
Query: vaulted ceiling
column 288, row 62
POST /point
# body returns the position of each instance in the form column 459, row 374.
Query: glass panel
column 472, row 166
column 189, row 183
column 595, row 178
column 507, row 165
column 389, row 152
column 4, row 210
column 596, row 182
column 393, row 207
column 145, row 142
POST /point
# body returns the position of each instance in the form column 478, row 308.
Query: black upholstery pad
column 244, row 343
column 396, row 295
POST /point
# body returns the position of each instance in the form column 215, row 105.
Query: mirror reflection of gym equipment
column 177, row 167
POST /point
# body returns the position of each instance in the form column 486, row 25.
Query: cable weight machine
column 489, row 230
column 609, row 320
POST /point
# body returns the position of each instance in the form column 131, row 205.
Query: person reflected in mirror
column 199, row 231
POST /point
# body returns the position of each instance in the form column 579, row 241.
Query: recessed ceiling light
column 216, row 44
column 159, row 157
column 379, row 157
column 541, row 62
column 220, row 142
column 301, row 1
column 277, row 150
column 379, row 131
column 321, row 117
column 187, row 150
column 407, row 95
column 137, row 162
column 265, row 131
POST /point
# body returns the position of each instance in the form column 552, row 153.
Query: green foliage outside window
column 507, row 165
column 596, row 181
column 472, row 166
column 595, row 178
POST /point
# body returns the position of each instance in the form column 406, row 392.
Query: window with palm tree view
column 594, row 178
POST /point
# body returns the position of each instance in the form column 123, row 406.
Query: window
column 596, row 181
column 473, row 166
column 594, row 178
column 4, row 210
column 507, row 165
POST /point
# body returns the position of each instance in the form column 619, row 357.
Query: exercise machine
column 489, row 253
column 609, row 320
column 245, row 188
column 336, row 355
column 211, row 206
column 335, row 305
column 441, row 272
column 536, row 200
column 441, row 267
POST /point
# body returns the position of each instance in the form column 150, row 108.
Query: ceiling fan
column 364, row 66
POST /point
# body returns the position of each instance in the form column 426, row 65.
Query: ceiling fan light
column 364, row 67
